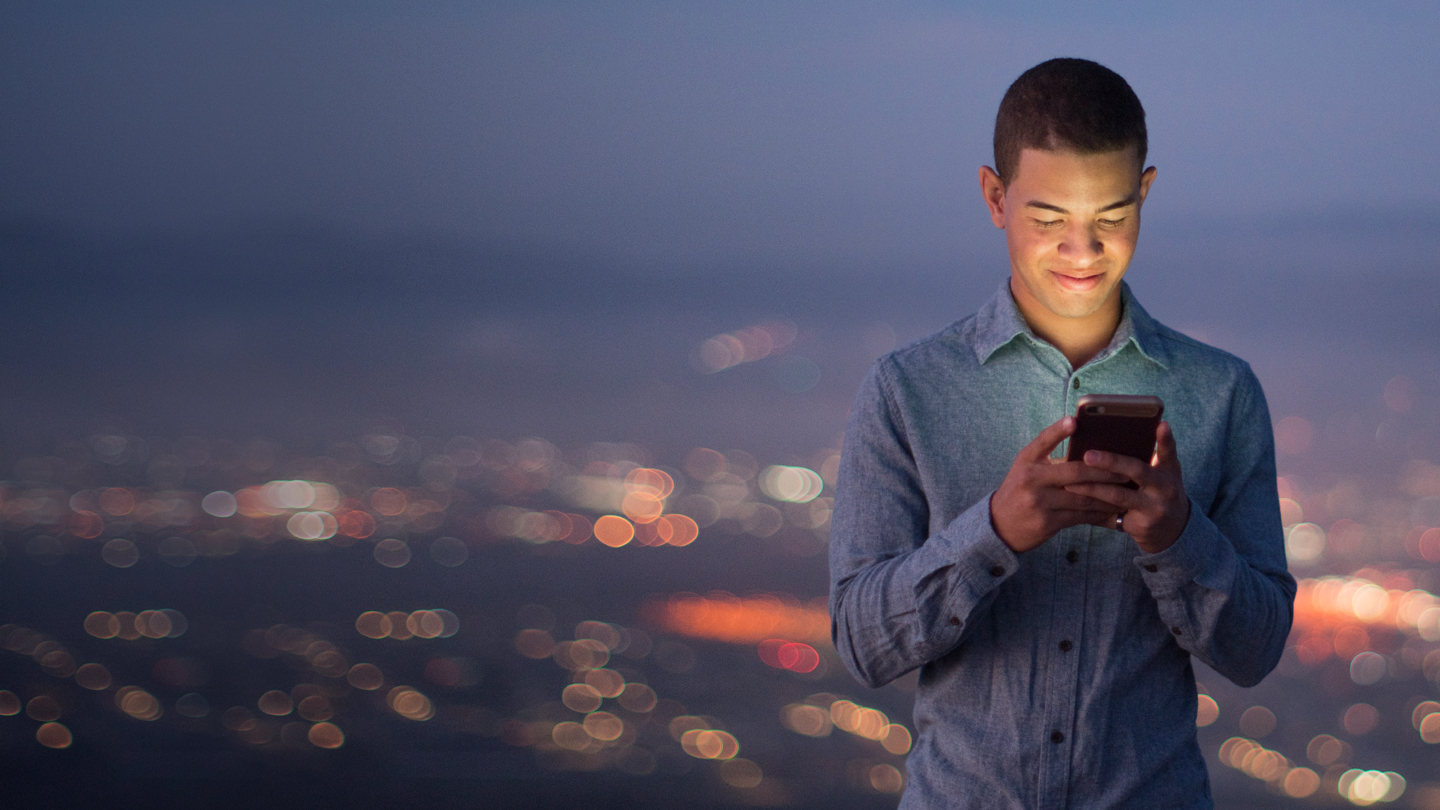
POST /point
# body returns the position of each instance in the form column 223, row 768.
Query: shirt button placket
column 1063, row 665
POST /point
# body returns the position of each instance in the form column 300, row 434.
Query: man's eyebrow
column 1044, row 206
column 1130, row 200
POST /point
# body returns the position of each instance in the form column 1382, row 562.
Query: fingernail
column 1092, row 457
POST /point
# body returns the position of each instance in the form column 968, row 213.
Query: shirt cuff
column 981, row 559
column 1201, row 555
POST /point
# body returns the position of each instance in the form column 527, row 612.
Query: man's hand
column 1038, row 499
column 1157, row 512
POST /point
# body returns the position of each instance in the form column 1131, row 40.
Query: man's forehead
column 1071, row 173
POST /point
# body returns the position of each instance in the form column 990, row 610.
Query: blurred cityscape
column 409, row 616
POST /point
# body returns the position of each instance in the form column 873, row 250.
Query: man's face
column 1071, row 222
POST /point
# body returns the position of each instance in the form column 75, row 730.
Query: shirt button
column 1152, row 568
column 997, row 571
column 1066, row 645
column 1057, row 737
column 1175, row 630
column 1072, row 557
column 955, row 620
column 1075, row 384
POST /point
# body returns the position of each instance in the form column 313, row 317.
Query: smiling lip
column 1074, row 284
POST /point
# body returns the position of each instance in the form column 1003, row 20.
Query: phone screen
column 1116, row 423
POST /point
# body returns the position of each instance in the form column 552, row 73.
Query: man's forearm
column 891, row 614
column 1221, row 607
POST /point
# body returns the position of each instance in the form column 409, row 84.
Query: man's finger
column 1120, row 499
column 1065, row 500
column 1104, row 521
column 1165, row 450
column 1132, row 468
column 1064, row 473
column 1043, row 445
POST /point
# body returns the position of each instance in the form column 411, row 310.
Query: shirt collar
column 999, row 322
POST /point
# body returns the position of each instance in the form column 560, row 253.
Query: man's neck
column 1079, row 339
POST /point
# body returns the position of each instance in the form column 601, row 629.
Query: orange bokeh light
column 683, row 530
column 54, row 735
column 326, row 735
column 642, row 507
column 725, row 617
column 357, row 524
column 388, row 501
column 613, row 530
column 656, row 483
column 87, row 525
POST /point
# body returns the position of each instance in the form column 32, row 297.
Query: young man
column 1052, row 610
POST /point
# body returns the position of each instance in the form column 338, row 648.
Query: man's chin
column 1071, row 305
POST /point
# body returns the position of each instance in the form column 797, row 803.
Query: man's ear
column 1146, row 178
column 992, row 188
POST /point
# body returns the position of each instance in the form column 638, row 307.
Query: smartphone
column 1116, row 423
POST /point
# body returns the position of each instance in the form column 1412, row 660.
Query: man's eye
column 1047, row 223
column 1112, row 223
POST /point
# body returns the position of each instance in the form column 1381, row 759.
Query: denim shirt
column 1059, row 677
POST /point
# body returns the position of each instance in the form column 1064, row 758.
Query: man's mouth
column 1077, row 283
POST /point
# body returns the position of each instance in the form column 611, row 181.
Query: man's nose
column 1081, row 244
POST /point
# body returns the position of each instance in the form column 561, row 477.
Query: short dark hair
column 1072, row 104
